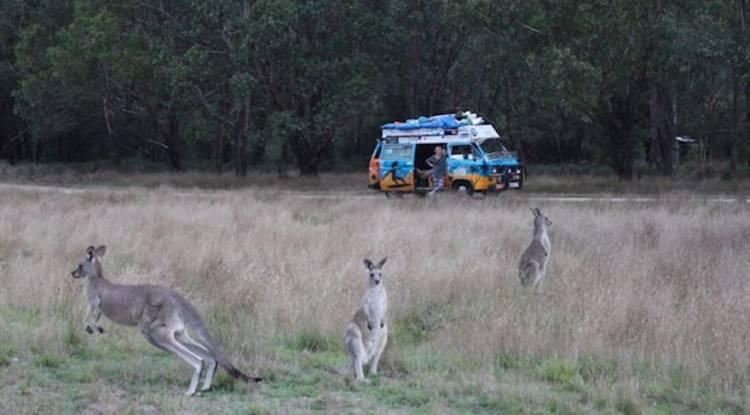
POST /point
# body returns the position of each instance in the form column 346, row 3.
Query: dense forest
column 306, row 83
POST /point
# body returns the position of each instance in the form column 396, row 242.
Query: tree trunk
column 742, row 9
column 283, row 160
column 616, row 116
column 113, row 153
column 662, row 126
column 747, row 122
column 219, row 150
column 307, row 162
column 172, row 138
column 733, row 141
column 240, row 165
column 563, row 128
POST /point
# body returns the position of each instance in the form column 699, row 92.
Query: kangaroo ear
column 90, row 251
column 100, row 251
column 368, row 264
column 533, row 211
column 382, row 262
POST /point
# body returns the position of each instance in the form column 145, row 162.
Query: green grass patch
column 48, row 361
column 313, row 342
column 76, row 373
column 594, row 370
column 562, row 372
column 295, row 385
column 627, row 406
column 558, row 371
column 421, row 321
column 396, row 395
column 507, row 361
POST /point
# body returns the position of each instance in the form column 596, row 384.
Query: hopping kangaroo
column 367, row 332
column 533, row 265
column 164, row 318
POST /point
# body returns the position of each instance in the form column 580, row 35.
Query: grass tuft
column 48, row 361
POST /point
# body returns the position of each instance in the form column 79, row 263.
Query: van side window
column 376, row 153
column 396, row 152
column 462, row 152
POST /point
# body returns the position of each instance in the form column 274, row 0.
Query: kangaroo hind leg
column 379, row 347
column 203, row 351
column 356, row 349
column 164, row 339
column 529, row 273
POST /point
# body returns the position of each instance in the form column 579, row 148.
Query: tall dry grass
column 665, row 283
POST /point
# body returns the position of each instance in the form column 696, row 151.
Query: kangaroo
column 163, row 316
column 533, row 265
column 367, row 332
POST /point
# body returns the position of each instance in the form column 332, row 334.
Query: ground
column 644, row 309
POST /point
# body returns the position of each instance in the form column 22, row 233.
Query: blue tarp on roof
column 437, row 121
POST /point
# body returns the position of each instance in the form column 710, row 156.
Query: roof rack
column 441, row 135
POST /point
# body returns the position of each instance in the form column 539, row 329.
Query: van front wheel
column 463, row 187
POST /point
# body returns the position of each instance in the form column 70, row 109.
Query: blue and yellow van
column 477, row 159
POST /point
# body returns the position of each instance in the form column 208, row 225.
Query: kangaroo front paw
column 89, row 330
column 99, row 329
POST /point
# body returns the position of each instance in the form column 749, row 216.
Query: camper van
column 477, row 157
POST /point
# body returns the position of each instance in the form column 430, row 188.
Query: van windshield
column 396, row 152
column 494, row 147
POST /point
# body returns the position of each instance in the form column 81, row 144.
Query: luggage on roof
column 444, row 121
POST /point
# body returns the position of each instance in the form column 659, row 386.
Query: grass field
column 646, row 308
column 688, row 179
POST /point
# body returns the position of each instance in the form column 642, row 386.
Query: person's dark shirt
column 438, row 166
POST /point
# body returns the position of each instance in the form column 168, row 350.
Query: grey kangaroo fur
column 367, row 332
column 163, row 316
column 533, row 265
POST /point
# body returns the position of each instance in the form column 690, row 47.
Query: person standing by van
column 437, row 163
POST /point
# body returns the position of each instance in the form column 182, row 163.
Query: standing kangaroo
column 367, row 332
column 533, row 265
column 163, row 316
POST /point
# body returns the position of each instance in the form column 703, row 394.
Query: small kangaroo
column 163, row 316
column 533, row 265
column 367, row 332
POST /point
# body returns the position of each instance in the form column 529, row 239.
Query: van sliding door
column 397, row 167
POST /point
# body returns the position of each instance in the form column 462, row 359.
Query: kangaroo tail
column 224, row 362
column 236, row 373
column 205, row 339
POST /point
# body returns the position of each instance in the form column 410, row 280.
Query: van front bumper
column 510, row 178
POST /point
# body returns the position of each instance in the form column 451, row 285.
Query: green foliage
column 297, row 81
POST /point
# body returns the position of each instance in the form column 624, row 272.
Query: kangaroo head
column 91, row 265
column 540, row 219
column 374, row 272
